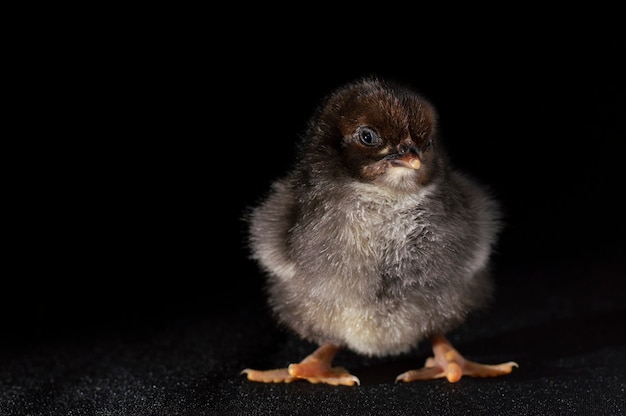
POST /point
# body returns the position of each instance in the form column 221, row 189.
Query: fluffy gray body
column 374, row 263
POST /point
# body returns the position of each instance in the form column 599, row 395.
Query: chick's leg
column 315, row 368
column 449, row 363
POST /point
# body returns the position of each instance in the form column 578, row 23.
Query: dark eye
column 368, row 136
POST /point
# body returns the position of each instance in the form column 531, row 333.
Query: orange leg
column 315, row 368
column 448, row 363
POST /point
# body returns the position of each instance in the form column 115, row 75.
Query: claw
column 448, row 363
column 315, row 368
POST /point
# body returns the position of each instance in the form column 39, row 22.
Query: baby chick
column 373, row 242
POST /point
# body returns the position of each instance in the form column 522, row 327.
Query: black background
column 133, row 230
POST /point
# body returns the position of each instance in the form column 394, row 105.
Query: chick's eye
column 368, row 136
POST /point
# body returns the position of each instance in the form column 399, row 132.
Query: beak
column 409, row 161
column 407, row 156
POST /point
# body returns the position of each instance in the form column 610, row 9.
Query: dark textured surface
column 568, row 339
column 127, row 290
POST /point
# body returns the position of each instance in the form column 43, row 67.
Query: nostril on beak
column 407, row 146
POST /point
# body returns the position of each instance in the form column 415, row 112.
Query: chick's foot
column 449, row 363
column 315, row 368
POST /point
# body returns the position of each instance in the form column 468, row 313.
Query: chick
column 372, row 242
